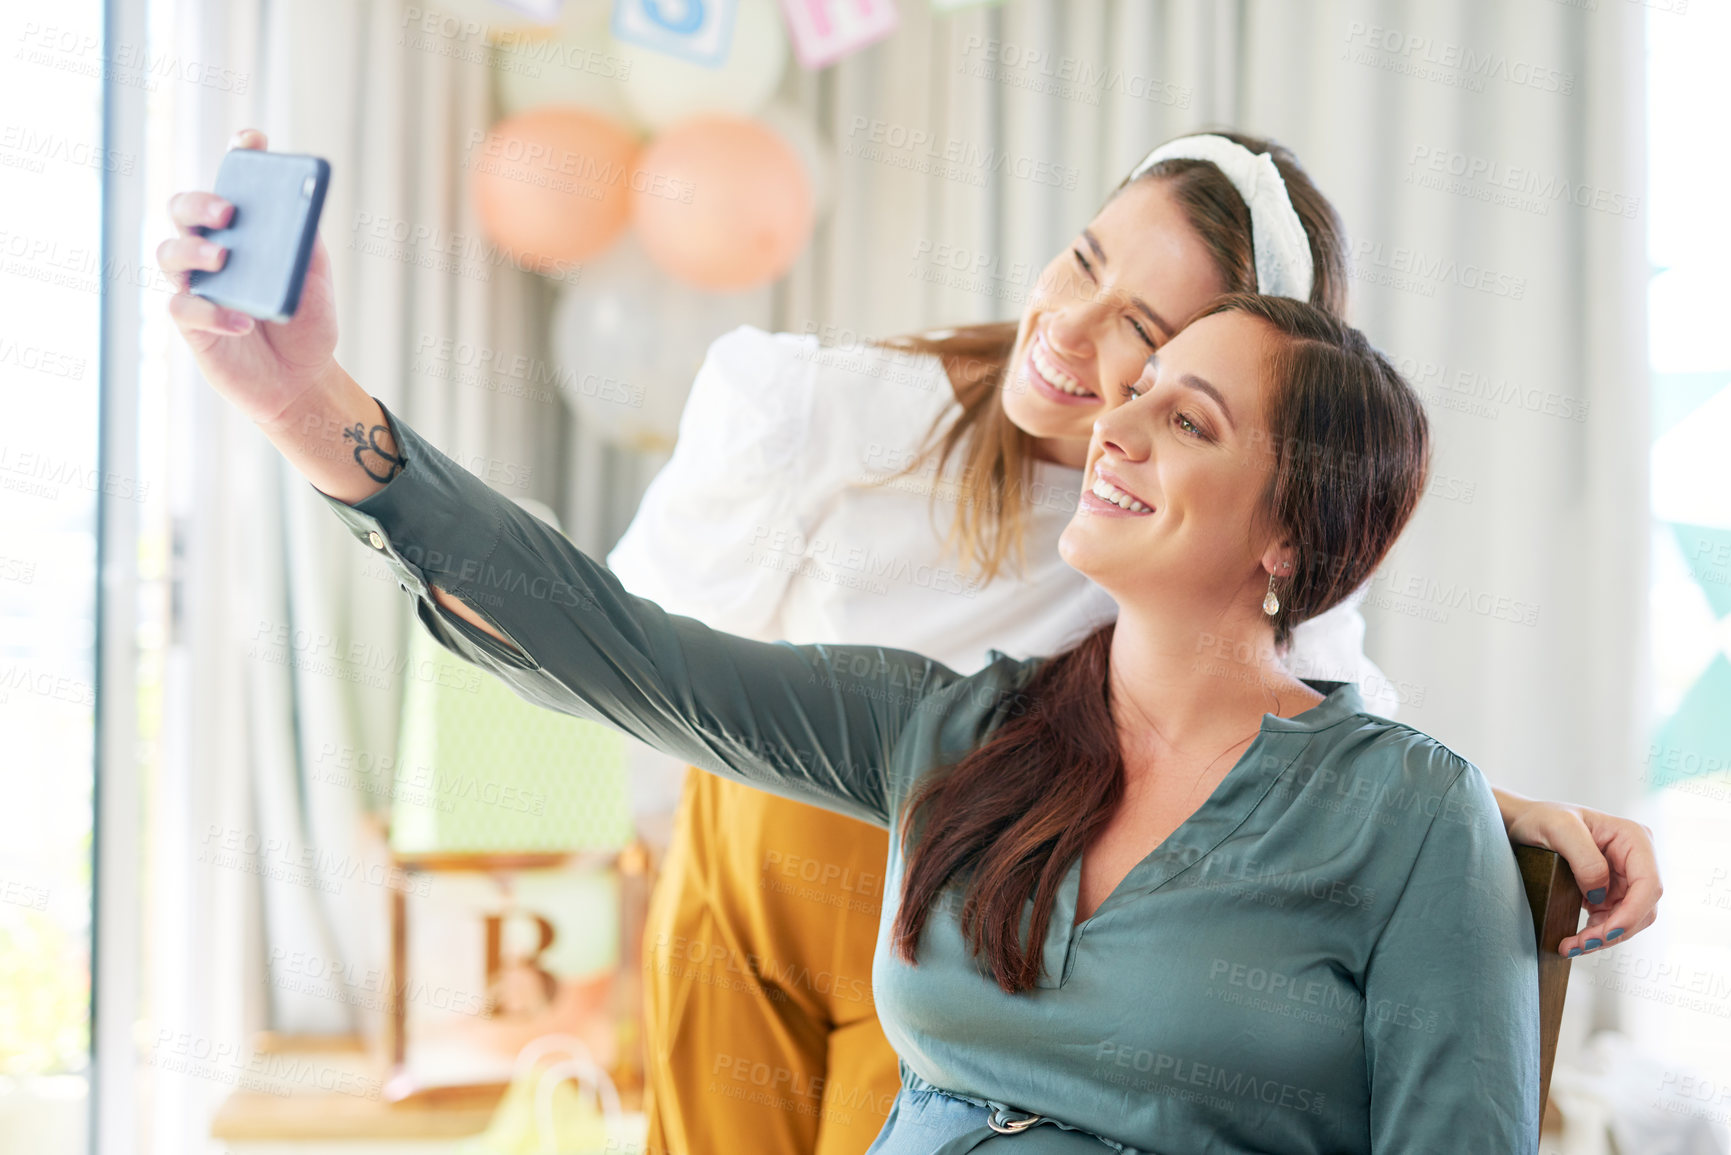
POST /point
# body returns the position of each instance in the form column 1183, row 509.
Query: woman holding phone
column 1142, row 220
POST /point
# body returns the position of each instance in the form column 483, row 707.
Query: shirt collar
column 1341, row 700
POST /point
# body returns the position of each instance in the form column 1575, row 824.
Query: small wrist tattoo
column 379, row 463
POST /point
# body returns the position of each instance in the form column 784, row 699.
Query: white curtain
column 1534, row 515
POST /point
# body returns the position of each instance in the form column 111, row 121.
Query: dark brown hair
column 1350, row 449
column 997, row 456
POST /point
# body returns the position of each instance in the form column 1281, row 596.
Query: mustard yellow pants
column 761, row 1036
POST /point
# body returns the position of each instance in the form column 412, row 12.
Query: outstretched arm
column 505, row 590
column 338, row 437
column 1612, row 859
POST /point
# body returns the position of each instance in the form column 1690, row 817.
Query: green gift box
column 481, row 771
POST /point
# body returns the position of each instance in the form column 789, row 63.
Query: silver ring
column 1010, row 1126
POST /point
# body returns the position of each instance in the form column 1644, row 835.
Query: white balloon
column 628, row 339
column 573, row 62
column 662, row 88
column 796, row 127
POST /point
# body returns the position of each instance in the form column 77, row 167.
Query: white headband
column 1282, row 248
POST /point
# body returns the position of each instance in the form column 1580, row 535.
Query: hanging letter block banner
column 700, row 31
column 824, row 31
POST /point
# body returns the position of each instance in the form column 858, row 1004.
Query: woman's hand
column 283, row 375
column 1612, row 859
column 262, row 367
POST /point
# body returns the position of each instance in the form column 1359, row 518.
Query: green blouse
column 1332, row 954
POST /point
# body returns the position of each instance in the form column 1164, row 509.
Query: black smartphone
column 277, row 197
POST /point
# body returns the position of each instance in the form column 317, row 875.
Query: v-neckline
column 1223, row 811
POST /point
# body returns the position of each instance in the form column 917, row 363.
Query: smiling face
column 1130, row 281
column 1174, row 494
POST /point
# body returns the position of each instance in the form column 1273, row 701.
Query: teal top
column 1332, row 954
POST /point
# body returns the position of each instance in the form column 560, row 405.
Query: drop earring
column 1270, row 603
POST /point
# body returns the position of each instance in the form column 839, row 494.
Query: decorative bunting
column 700, row 31
column 824, row 31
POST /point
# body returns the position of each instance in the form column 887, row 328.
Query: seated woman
column 1153, row 894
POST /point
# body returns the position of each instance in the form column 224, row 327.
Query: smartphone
column 277, row 197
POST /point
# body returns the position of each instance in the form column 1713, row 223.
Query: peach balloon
column 553, row 184
column 721, row 202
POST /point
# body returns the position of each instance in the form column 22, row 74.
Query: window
column 52, row 276
column 1680, row 997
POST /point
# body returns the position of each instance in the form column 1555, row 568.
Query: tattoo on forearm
column 369, row 454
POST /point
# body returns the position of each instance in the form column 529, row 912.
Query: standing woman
column 802, row 502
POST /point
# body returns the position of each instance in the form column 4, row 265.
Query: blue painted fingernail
column 1594, row 943
column 1573, row 951
column 1597, row 894
column 1613, row 934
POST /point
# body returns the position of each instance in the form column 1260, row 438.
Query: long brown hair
column 1350, row 449
column 997, row 456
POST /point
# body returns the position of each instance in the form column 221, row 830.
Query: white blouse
column 765, row 521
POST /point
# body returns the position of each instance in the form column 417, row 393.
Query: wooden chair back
column 1555, row 901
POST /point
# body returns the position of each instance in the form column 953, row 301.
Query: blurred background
column 276, row 874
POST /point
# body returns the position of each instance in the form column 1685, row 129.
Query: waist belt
column 965, row 1122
